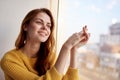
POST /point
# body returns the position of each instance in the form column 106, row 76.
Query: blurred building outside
column 101, row 61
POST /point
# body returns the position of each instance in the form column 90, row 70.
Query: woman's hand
column 70, row 46
column 76, row 39
column 84, row 38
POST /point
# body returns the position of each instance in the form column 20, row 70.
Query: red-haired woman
column 34, row 56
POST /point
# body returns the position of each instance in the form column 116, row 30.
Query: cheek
column 49, row 32
column 33, row 27
column 32, row 30
column 30, row 33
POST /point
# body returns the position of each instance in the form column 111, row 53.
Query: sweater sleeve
column 71, row 74
column 18, row 72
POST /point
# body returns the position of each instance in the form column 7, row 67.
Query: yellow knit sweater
column 17, row 66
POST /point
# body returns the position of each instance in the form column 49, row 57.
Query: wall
column 11, row 14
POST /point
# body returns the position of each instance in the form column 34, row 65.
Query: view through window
column 100, row 58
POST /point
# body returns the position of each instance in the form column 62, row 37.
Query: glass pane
column 100, row 58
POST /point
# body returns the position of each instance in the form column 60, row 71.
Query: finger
column 86, row 37
column 81, row 43
column 82, row 38
column 85, row 32
column 83, row 29
column 86, row 27
column 80, row 33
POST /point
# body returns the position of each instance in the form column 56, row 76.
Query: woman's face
column 39, row 28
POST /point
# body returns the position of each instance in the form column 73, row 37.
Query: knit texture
column 18, row 66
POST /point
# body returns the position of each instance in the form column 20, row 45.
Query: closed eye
column 49, row 25
column 39, row 22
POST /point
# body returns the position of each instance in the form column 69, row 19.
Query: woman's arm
column 84, row 39
column 72, row 73
column 64, row 52
column 17, row 71
column 62, row 58
column 72, row 41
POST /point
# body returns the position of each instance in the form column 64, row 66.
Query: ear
column 25, row 27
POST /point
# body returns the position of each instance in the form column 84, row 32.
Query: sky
column 98, row 15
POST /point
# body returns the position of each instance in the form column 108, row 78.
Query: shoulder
column 11, row 59
column 13, row 54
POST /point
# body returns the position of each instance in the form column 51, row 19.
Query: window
column 101, row 17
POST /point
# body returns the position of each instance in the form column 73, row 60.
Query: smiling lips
column 43, row 33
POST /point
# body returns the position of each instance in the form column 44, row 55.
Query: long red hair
column 47, row 49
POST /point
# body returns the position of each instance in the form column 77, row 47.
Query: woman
column 34, row 56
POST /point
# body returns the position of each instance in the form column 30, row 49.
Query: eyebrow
column 42, row 20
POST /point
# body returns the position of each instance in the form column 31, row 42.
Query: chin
column 43, row 40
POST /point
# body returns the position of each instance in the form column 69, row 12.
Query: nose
column 44, row 26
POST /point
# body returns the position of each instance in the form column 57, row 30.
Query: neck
column 31, row 49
